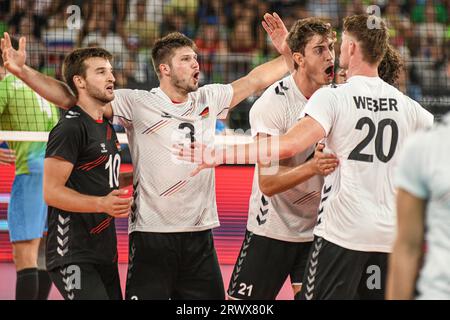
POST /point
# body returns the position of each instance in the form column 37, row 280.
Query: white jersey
column 290, row 215
column 423, row 172
column 166, row 199
column 366, row 122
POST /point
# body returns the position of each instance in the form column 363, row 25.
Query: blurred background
column 228, row 34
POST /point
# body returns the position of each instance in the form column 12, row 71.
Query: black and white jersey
column 92, row 148
column 366, row 122
column 166, row 198
column 290, row 215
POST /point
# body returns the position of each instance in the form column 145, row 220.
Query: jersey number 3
column 357, row 155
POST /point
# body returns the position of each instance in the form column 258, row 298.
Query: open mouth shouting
column 110, row 88
column 196, row 76
column 330, row 71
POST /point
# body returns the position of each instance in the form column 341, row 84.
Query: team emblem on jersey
column 72, row 114
column 103, row 148
column 118, row 146
column 205, row 113
column 166, row 115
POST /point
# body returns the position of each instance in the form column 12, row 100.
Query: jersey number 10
column 114, row 168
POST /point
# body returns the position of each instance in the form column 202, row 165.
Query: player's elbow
column 67, row 102
column 267, row 189
column 49, row 194
column 287, row 149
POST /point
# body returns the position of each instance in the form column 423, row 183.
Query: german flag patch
column 205, row 113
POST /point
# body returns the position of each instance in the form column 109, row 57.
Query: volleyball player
column 22, row 109
column 283, row 205
column 365, row 122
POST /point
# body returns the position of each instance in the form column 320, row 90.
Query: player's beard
column 183, row 84
column 98, row 94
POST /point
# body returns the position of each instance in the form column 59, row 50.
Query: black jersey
column 92, row 147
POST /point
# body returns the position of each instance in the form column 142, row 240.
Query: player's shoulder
column 273, row 100
column 213, row 87
column 72, row 120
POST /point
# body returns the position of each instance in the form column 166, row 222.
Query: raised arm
column 406, row 257
column 47, row 87
column 278, row 33
column 258, row 79
column 56, row 194
column 286, row 178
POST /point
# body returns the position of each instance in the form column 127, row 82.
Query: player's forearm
column 266, row 74
column 285, row 178
column 403, row 270
column 125, row 179
column 262, row 151
column 47, row 87
column 70, row 200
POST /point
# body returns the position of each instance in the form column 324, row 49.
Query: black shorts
column 263, row 266
column 173, row 266
column 86, row 281
column 334, row 272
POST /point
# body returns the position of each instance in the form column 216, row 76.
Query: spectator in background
column 242, row 38
column 100, row 34
column 177, row 22
column 38, row 53
column 153, row 11
column 182, row 10
column 325, row 9
column 431, row 28
column 209, row 44
column 141, row 34
column 58, row 36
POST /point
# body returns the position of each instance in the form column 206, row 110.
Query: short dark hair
column 303, row 30
column 373, row 37
column 391, row 66
column 15, row 45
column 163, row 49
column 74, row 63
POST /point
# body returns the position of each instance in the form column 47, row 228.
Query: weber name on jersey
column 366, row 122
column 290, row 215
column 166, row 198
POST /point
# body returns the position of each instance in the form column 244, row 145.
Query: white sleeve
column 322, row 107
column 424, row 118
column 122, row 107
column 219, row 97
column 411, row 173
column 266, row 115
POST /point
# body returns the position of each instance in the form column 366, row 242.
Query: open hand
column 13, row 60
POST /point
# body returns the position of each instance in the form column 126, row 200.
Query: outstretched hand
column 277, row 32
column 197, row 153
column 13, row 60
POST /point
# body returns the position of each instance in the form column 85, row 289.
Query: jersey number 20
column 357, row 155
